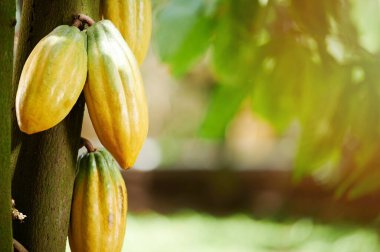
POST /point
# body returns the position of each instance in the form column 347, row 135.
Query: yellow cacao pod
column 52, row 79
column 99, row 206
column 114, row 93
column 133, row 18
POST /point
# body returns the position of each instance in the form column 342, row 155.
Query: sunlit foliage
column 312, row 63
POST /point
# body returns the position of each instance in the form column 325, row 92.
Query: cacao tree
column 44, row 163
column 44, row 115
column 312, row 69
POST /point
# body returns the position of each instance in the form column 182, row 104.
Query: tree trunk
column 45, row 162
column 7, row 24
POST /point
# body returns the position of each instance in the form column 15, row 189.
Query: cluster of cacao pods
column 102, row 59
column 105, row 64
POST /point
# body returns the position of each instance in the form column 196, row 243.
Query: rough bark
column 45, row 162
column 7, row 23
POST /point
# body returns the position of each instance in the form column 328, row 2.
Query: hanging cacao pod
column 133, row 18
column 114, row 93
column 52, row 79
column 99, row 206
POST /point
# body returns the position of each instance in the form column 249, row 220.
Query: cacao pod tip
column 28, row 129
column 125, row 165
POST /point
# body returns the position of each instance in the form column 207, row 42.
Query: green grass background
column 196, row 232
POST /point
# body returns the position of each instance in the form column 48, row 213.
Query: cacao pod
column 133, row 18
column 114, row 93
column 52, row 79
column 99, row 206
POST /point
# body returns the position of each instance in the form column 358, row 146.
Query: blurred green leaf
column 235, row 43
column 365, row 186
column 225, row 102
column 286, row 75
column 360, row 177
column 183, row 33
column 323, row 123
column 318, row 148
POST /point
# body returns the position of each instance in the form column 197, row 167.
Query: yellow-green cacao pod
column 114, row 93
column 99, row 206
column 133, row 18
column 52, row 79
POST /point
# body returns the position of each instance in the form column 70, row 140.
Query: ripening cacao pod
column 133, row 18
column 52, row 79
column 99, row 206
column 114, row 93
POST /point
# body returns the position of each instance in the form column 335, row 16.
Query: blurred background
column 264, row 128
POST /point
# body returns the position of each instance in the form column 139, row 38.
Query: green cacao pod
column 133, row 18
column 99, row 206
column 114, row 93
column 52, row 79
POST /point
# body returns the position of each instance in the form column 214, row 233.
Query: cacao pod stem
column 79, row 20
column 86, row 143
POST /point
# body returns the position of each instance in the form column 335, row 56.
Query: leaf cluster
column 314, row 63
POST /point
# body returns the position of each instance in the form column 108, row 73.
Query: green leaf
column 365, row 119
column 361, row 171
column 366, row 185
column 323, row 125
column 225, row 102
column 316, row 152
column 285, row 74
column 183, row 33
column 235, row 47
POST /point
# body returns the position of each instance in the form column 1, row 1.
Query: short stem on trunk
column 81, row 19
column 77, row 23
column 86, row 143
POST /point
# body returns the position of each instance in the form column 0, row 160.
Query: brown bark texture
column 44, row 163
column 7, row 27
